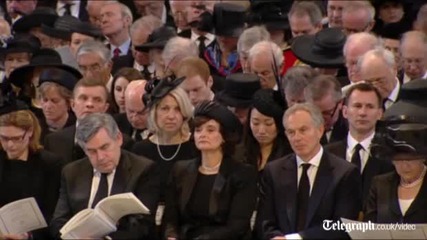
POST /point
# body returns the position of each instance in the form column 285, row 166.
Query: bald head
column 414, row 54
column 134, row 105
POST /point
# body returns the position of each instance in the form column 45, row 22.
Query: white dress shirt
column 95, row 184
column 311, row 173
column 124, row 48
column 364, row 152
column 74, row 8
column 209, row 38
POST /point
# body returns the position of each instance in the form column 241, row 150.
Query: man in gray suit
column 107, row 170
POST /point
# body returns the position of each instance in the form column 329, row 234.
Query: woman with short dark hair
column 212, row 196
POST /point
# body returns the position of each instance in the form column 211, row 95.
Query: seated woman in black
column 212, row 196
column 401, row 196
column 264, row 133
column 26, row 170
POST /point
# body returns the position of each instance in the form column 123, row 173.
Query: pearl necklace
column 414, row 183
column 210, row 169
column 170, row 158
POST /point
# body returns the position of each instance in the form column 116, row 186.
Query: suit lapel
column 84, row 183
column 122, row 175
column 290, row 189
column 394, row 201
column 188, row 183
column 218, row 186
column 321, row 183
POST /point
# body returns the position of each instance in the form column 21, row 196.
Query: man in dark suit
column 325, row 92
column 362, row 109
column 88, row 97
column 300, row 191
column 106, row 171
column 379, row 68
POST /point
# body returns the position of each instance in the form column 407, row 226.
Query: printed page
column 119, row 205
column 21, row 216
column 91, row 226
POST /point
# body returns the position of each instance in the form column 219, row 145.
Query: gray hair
column 316, row 115
column 353, row 6
column 302, row 8
column 93, row 46
column 297, row 79
column 321, row 86
column 362, row 38
column 251, row 36
column 178, row 48
column 381, row 53
column 267, row 47
column 418, row 36
column 147, row 23
column 185, row 106
column 92, row 123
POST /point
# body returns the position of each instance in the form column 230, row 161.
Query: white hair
column 362, row 38
column 267, row 47
column 353, row 6
column 147, row 23
column 93, row 46
column 251, row 36
column 379, row 53
column 179, row 48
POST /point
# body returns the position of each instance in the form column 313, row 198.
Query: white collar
column 366, row 143
column 394, row 94
column 164, row 14
column 425, row 75
column 315, row 161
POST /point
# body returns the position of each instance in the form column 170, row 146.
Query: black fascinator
column 156, row 90
column 9, row 103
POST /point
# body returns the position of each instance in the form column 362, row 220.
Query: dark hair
column 253, row 149
column 91, row 82
column 231, row 139
column 127, row 73
column 363, row 87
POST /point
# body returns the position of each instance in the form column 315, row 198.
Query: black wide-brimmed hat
column 9, row 104
column 404, row 125
column 40, row 16
column 394, row 30
column 324, row 49
column 44, row 57
column 88, row 29
column 61, row 28
column 238, row 90
column 229, row 19
column 221, row 114
column 20, row 43
column 270, row 14
column 157, row 39
column 59, row 76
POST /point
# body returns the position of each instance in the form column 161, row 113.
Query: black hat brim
column 56, row 33
column 147, row 46
column 227, row 100
column 407, row 111
column 28, row 22
column 19, row 76
column 302, row 48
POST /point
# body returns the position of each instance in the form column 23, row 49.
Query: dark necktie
column 116, row 52
column 202, row 45
column 145, row 72
column 102, row 189
column 137, row 135
column 355, row 159
column 67, row 8
column 303, row 197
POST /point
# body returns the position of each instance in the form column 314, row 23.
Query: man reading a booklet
column 107, row 170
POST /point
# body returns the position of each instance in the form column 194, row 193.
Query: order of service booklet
column 101, row 220
column 21, row 216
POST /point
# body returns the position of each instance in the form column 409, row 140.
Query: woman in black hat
column 401, row 196
column 26, row 169
column 211, row 196
column 56, row 90
column 264, row 132
column 169, row 111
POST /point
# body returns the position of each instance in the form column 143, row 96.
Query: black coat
column 373, row 167
column 231, row 203
column 43, row 185
column 133, row 174
column 382, row 205
column 335, row 194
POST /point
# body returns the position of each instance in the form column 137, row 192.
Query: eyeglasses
column 331, row 113
column 16, row 139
